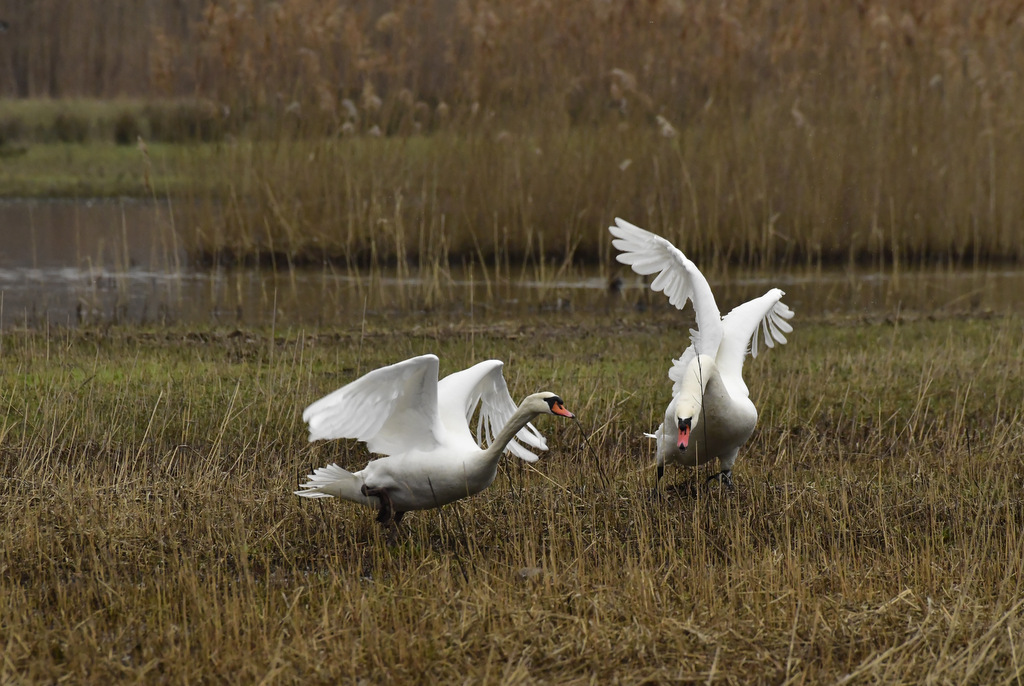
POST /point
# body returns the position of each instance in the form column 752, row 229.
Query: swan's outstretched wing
column 483, row 385
column 393, row 408
column 743, row 327
column 678, row 277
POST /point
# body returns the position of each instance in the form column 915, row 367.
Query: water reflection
column 67, row 263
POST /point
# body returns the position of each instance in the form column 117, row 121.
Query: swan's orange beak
column 557, row 406
column 559, row 409
column 684, row 434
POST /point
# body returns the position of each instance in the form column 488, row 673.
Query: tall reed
column 760, row 134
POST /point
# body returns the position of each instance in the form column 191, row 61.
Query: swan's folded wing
column 483, row 385
column 743, row 327
column 392, row 409
column 677, row 276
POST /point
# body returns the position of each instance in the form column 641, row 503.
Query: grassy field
column 876, row 534
column 89, row 148
column 101, row 170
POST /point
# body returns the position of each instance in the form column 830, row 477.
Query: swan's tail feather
column 334, row 482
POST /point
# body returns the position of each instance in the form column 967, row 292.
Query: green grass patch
column 121, row 121
column 147, row 529
column 92, row 170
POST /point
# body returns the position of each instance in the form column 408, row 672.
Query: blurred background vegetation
column 433, row 131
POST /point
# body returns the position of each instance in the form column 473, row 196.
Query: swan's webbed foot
column 386, row 515
column 723, row 477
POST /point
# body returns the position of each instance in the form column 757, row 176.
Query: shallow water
column 68, row 263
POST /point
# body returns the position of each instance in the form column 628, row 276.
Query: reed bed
column 148, row 532
column 764, row 133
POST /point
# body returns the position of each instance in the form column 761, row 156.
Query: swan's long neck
column 701, row 370
column 691, row 394
column 520, row 418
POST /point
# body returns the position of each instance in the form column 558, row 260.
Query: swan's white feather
column 678, row 277
column 333, row 481
column 392, row 409
column 743, row 326
column 483, row 385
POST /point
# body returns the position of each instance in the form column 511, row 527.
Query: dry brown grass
column 147, row 530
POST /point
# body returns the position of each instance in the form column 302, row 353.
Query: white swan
column 711, row 414
column 421, row 425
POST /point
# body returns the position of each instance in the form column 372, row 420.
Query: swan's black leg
column 398, row 517
column 723, row 477
column 656, row 492
column 386, row 515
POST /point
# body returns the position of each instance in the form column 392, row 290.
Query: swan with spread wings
column 711, row 414
column 421, row 427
